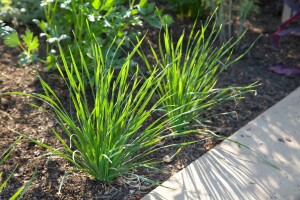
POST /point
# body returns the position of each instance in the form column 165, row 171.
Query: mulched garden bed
column 16, row 114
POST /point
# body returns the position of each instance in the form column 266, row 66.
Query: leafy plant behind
column 189, row 8
column 20, row 11
column 192, row 71
column 225, row 11
column 29, row 43
column 109, row 20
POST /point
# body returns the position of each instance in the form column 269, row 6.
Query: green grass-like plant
column 193, row 66
column 107, row 127
column 111, row 132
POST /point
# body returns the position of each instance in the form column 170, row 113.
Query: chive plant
column 192, row 70
column 108, row 127
column 107, row 135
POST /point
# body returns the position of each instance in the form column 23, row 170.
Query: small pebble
column 168, row 159
column 288, row 139
column 131, row 191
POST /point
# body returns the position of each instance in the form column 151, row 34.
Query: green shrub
column 192, row 71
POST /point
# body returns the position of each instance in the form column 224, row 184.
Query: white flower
column 57, row 39
column 36, row 21
column 128, row 13
column 91, row 18
column 106, row 23
column 53, row 39
column 43, row 34
column 5, row 30
column 53, row 51
column 45, row 2
column 65, row 4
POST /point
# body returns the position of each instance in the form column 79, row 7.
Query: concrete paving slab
column 231, row 171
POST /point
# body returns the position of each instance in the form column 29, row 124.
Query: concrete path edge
column 270, row 170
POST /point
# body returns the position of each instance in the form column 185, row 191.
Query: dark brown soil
column 16, row 114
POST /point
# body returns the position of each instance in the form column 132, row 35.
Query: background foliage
column 20, row 11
